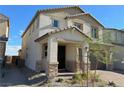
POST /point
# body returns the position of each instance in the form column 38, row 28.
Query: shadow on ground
column 15, row 76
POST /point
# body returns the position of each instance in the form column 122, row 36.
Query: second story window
column 78, row 25
column 55, row 23
column 94, row 32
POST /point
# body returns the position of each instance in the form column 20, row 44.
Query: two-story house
column 58, row 39
column 4, row 33
column 116, row 37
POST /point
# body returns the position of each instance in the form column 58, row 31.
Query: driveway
column 116, row 77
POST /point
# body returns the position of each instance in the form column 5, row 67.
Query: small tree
column 99, row 55
column 100, row 52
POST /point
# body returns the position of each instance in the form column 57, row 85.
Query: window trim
column 53, row 25
column 95, row 33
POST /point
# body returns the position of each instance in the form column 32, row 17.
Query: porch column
column 85, row 57
column 52, row 64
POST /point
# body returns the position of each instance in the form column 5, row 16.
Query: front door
column 61, row 57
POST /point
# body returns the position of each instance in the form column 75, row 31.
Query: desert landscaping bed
column 25, row 77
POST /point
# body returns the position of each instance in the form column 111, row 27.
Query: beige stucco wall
column 34, row 50
column 87, row 26
column 30, row 50
column 76, row 40
column 46, row 23
column 118, row 57
column 71, row 56
column 113, row 36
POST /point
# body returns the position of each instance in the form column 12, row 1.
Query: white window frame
column 54, row 21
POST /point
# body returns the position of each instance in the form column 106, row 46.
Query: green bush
column 84, row 76
column 95, row 79
column 77, row 77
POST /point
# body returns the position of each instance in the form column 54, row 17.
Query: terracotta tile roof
column 60, row 8
column 62, row 30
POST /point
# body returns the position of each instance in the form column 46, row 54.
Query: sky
column 20, row 16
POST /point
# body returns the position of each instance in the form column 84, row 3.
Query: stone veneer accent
column 52, row 70
column 2, row 49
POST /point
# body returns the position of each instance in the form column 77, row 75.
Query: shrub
column 73, row 81
column 59, row 80
column 111, row 84
column 84, row 76
column 77, row 77
column 95, row 78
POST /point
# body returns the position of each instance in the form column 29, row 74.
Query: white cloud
column 20, row 32
column 12, row 49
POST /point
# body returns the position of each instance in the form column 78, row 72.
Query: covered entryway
column 63, row 51
column 61, row 57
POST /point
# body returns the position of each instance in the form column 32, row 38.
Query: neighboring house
column 116, row 37
column 4, row 33
column 58, row 39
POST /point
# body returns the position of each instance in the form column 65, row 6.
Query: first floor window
column 44, row 51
